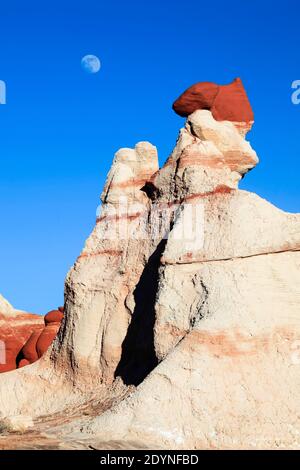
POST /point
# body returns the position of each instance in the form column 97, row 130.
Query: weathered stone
column 181, row 324
column 15, row 329
column 29, row 353
column 19, row 334
column 55, row 316
column 19, row 423
column 5, row 307
column 226, row 102
column 46, row 337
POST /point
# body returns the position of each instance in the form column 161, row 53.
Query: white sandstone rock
column 5, row 307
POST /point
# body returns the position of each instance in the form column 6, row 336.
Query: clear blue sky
column 61, row 126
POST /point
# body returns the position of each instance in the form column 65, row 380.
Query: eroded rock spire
column 186, row 295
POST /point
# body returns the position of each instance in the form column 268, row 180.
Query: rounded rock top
column 226, row 102
column 55, row 316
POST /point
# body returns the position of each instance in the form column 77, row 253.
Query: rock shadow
column 138, row 357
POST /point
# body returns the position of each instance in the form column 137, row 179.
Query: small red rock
column 46, row 338
column 23, row 363
column 226, row 102
column 14, row 333
column 24, row 338
column 55, row 316
column 28, row 351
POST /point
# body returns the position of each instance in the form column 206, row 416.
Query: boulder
column 40, row 340
column 23, row 363
column 19, row 334
column 15, row 330
column 226, row 102
column 46, row 337
column 28, row 352
column 54, row 316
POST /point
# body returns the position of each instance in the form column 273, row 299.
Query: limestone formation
column 181, row 323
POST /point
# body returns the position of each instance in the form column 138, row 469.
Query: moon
column 90, row 63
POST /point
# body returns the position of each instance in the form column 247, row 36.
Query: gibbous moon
column 90, row 63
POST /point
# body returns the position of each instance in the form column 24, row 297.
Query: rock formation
column 40, row 340
column 15, row 329
column 24, row 337
column 181, row 326
column 226, row 102
column 5, row 307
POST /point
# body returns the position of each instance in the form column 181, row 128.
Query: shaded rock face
column 226, row 102
column 25, row 337
column 182, row 311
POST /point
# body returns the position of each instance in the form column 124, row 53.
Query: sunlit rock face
column 181, row 326
column 5, row 307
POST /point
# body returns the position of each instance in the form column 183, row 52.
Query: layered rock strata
column 187, row 294
column 15, row 329
column 24, row 337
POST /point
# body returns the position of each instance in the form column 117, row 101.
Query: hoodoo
column 181, row 319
